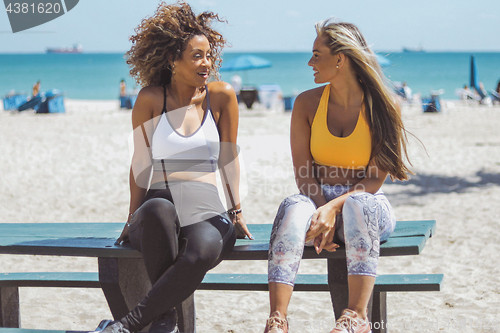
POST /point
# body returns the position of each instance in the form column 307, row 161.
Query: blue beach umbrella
column 383, row 61
column 474, row 81
column 474, row 77
column 244, row 62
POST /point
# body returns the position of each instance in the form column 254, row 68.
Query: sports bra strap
column 164, row 99
column 208, row 98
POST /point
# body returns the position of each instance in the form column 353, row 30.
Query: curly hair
column 161, row 39
column 386, row 126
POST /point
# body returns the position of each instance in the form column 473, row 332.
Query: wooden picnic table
column 122, row 275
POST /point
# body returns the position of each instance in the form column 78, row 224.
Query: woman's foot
column 167, row 323
column 350, row 322
column 276, row 324
column 110, row 326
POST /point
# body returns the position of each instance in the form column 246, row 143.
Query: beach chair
column 270, row 95
column 128, row 101
column 433, row 103
column 12, row 100
column 495, row 97
column 249, row 95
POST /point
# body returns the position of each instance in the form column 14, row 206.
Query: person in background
column 407, row 92
column 346, row 138
column 184, row 129
column 123, row 88
column 236, row 84
column 36, row 88
column 466, row 93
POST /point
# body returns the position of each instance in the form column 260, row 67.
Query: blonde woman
column 346, row 137
column 185, row 129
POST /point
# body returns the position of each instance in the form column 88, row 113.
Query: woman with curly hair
column 346, row 137
column 184, row 130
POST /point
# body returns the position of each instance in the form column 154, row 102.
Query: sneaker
column 166, row 323
column 275, row 324
column 110, row 326
column 350, row 323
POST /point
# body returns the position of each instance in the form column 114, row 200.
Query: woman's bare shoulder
column 308, row 100
column 150, row 92
column 148, row 104
column 220, row 88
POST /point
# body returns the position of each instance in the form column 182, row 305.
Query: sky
column 276, row 25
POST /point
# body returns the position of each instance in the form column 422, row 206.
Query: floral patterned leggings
column 366, row 220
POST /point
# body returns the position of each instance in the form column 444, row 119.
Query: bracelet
column 128, row 223
column 234, row 211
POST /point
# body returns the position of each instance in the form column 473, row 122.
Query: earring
column 337, row 66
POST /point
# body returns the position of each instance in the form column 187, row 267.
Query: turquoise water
column 97, row 76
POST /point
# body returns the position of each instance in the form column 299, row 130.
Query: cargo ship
column 419, row 49
column 77, row 48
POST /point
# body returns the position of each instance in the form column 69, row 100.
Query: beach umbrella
column 474, row 81
column 245, row 62
column 383, row 61
column 474, row 78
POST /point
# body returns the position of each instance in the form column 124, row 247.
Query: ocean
column 97, row 76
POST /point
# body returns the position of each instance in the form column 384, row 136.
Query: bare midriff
column 332, row 175
column 205, row 177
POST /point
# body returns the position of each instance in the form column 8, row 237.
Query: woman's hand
column 124, row 237
column 240, row 226
column 322, row 227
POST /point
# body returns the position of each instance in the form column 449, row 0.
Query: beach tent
column 33, row 103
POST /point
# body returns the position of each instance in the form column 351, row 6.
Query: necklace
column 177, row 101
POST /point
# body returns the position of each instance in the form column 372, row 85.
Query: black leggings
column 176, row 258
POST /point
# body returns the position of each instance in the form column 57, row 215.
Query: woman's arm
column 140, row 169
column 323, row 220
column 300, row 138
column 222, row 95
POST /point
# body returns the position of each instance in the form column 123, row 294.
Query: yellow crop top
column 351, row 152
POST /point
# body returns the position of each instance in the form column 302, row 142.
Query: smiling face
column 323, row 62
column 193, row 67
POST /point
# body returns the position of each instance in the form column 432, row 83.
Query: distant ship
column 77, row 48
column 419, row 49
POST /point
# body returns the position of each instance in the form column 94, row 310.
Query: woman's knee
column 157, row 211
column 204, row 246
column 299, row 206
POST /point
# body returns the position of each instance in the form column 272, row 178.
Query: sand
column 73, row 167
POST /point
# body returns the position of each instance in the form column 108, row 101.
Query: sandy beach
column 73, row 167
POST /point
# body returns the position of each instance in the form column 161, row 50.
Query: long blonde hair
column 386, row 126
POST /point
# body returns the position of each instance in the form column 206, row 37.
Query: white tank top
column 197, row 152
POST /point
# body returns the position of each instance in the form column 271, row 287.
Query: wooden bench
column 10, row 282
column 124, row 282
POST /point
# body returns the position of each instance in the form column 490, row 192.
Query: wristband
column 234, row 211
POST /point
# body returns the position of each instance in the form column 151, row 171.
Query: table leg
column 124, row 282
column 379, row 312
column 10, row 316
column 337, row 282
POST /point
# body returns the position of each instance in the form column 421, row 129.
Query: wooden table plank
column 97, row 240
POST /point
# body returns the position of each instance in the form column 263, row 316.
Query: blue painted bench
column 124, row 282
